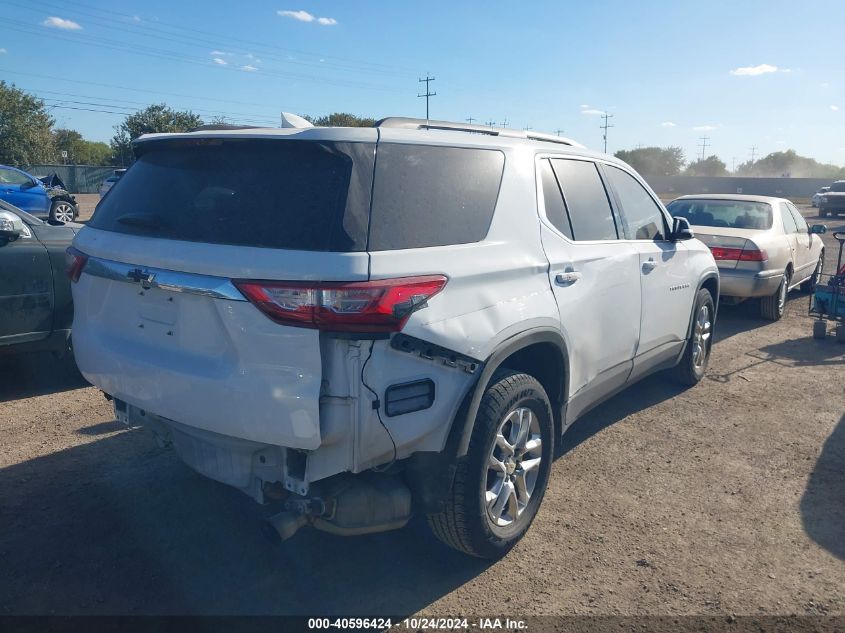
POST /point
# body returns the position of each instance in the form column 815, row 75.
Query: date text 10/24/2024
column 418, row 624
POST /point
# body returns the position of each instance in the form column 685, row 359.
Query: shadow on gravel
column 118, row 526
column 641, row 395
column 37, row 374
column 744, row 317
column 823, row 503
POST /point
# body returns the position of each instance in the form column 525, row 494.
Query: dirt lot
column 725, row 498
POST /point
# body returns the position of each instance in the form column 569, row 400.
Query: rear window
column 273, row 193
column 432, row 196
column 838, row 186
column 730, row 214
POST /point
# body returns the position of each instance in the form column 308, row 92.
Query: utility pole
column 527, row 128
column 469, row 120
column 491, row 124
column 505, row 122
column 558, row 132
column 604, row 126
column 733, row 164
column 753, row 153
column 703, row 145
column 428, row 93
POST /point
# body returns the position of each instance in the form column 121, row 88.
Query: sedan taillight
column 370, row 306
column 75, row 261
column 747, row 254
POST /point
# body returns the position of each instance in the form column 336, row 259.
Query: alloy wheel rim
column 63, row 213
column 513, row 466
column 701, row 336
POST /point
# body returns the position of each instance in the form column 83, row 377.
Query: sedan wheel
column 62, row 211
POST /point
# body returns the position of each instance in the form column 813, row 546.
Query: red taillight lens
column 738, row 254
column 369, row 306
column 75, row 261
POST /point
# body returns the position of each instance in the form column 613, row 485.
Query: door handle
column 649, row 265
column 567, row 278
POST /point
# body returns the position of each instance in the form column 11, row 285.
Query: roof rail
column 423, row 124
column 211, row 127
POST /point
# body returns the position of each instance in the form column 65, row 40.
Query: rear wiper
column 143, row 220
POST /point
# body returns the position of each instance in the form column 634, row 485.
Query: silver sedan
column 762, row 245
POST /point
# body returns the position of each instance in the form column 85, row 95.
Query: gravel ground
column 727, row 498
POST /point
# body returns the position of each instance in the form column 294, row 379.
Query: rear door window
column 789, row 225
column 427, row 195
column 287, row 194
column 800, row 222
column 643, row 218
column 553, row 200
column 586, row 200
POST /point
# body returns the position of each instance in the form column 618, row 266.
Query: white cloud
column 136, row 18
column 61, row 23
column 705, row 128
column 824, row 84
column 3, row 51
column 584, row 105
column 591, row 111
column 835, row 108
column 304, row 16
column 667, row 124
column 220, row 53
column 248, row 68
column 219, row 61
column 762, row 69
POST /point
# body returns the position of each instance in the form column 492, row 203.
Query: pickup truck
column 36, row 307
column 832, row 203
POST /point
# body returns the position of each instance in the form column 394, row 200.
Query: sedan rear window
column 730, row 214
column 299, row 195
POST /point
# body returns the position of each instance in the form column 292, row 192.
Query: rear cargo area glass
column 298, row 195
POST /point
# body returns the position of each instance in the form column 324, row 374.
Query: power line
column 703, row 144
column 604, row 126
column 428, row 93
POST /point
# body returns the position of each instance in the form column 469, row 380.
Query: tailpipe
column 280, row 527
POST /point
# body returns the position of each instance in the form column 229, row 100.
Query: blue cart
column 827, row 302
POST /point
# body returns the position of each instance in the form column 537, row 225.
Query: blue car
column 28, row 193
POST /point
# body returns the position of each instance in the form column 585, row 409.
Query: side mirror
column 818, row 229
column 11, row 226
column 681, row 229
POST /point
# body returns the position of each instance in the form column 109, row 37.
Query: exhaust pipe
column 280, row 527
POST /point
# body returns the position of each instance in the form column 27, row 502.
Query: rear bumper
column 747, row 283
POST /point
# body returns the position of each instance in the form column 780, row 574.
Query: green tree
column 79, row 151
column 154, row 118
column 24, row 128
column 710, row 166
column 654, row 161
column 341, row 119
column 789, row 164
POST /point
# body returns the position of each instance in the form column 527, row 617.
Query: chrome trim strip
column 171, row 280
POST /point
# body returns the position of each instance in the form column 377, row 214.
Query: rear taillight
column 369, row 306
column 75, row 261
column 738, row 254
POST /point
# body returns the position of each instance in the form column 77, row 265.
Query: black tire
column 466, row 523
column 840, row 333
column 808, row 284
column 819, row 329
column 62, row 211
column 773, row 307
column 691, row 368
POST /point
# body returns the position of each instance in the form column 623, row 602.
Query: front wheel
column 499, row 485
column 62, row 211
column 690, row 370
column 773, row 306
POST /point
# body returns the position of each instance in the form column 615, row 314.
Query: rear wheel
column 809, row 284
column 693, row 363
column 499, row 485
column 819, row 329
column 62, row 211
column 773, row 307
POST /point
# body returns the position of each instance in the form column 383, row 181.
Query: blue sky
column 742, row 73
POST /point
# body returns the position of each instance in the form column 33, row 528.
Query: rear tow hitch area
column 349, row 506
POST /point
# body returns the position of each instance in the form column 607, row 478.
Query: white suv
column 357, row 324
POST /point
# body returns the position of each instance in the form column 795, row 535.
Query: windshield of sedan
column 731, row 214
